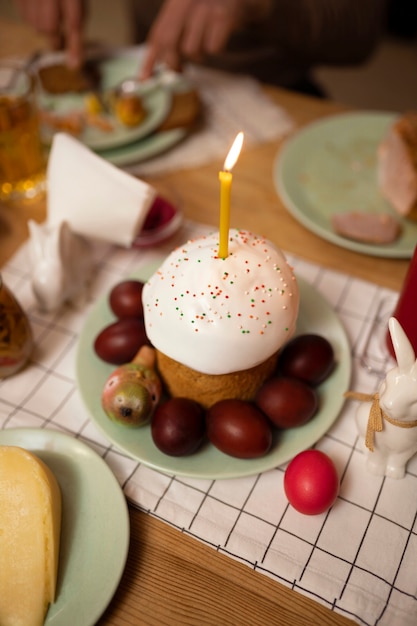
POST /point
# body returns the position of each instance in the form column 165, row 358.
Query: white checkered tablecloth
column 359, row 559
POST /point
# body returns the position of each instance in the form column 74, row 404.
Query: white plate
column 95, row 525
column 92, row 373
column 330, row 167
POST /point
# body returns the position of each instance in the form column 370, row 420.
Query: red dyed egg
column 311, row 482
column 119, row 342
column 125, row 299
column 288, row 402
column 239, row 429
column 309, row 358
column 178, row 426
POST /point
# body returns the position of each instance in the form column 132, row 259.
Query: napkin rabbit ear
column 403, row 349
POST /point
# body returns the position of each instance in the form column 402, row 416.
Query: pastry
column 218, row 324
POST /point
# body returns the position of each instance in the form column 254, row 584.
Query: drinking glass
column 22, row 159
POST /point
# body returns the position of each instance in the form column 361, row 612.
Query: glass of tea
column 22, row 158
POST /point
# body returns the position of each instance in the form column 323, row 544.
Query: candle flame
column 234, row 152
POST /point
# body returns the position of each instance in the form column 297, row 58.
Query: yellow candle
column 225, row 178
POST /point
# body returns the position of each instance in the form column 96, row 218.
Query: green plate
column 95, row 524
column 114, row 69
column 92, row 373
column 146, row 148
column 330, row 167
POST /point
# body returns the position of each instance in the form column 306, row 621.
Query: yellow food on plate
column 129, row 109
column 99, row 121
column 72, row 123
column 93, row 104
column 30, row 523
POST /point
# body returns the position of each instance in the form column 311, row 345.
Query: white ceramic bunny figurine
column 389, row 422
column 61, row 265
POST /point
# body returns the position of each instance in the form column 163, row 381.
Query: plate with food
column 327, row 176
column 94, row 515
column 90, row 104
column 92, row 372
column 184, row 116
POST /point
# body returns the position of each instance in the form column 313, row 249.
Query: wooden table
column 171, row 578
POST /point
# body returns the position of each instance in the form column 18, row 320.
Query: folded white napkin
column 95, row 197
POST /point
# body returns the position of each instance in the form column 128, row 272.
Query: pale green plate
column 148, row 147
column 157, row 103
column 330, row 167
column 315, row 316
column 95, row 524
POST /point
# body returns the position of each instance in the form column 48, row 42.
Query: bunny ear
column 36, row 240
column 64, row 240
column 57, row 241
column 404, row 351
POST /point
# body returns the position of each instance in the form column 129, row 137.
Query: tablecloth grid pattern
column 358, row 559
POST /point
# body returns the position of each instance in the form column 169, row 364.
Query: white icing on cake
column 222, row 315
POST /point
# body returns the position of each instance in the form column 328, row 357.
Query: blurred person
column 276, row 41
column 60, row 21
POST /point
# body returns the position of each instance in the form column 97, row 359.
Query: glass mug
column 22, row 159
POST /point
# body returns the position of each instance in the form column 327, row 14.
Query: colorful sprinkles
column 244, row 294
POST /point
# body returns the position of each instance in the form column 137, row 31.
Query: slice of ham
column 373, row 228
column 397, row 165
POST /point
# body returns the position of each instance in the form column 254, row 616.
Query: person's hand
column 193, row 29
column 61, row 21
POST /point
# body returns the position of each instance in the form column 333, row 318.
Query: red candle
column 406, row 309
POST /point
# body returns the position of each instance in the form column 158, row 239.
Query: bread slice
column 58, row 79
column 185, row 111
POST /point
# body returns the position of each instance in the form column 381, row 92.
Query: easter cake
column 218, row 324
